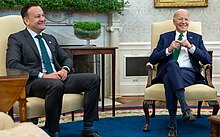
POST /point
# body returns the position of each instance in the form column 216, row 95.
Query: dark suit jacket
column 159, row 54
column 22, row 53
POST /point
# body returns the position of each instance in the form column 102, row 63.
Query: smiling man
column 178, row 54
column 50, row 71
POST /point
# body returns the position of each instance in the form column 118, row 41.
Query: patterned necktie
column 176, row 52
column 45, row 56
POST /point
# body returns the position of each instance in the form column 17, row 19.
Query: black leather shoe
column 172, row 132
column 94, row 134
column 56, row 134
column 187, row 115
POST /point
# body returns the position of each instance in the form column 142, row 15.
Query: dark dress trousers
column 168, row 70
column 22, row 53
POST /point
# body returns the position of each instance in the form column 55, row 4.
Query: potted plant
column 87, row 30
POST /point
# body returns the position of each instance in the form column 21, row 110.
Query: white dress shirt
column 33, row 34
column 183, row 58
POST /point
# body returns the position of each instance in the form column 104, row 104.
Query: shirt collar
column 184, row 34
column 33, row 34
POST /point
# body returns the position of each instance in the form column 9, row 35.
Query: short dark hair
column 26, row 7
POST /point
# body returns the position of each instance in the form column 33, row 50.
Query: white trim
column 136, row 85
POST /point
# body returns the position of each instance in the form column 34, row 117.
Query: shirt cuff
column 167, row 52
column 66, row 68
column 192, row 49
column 40, row 75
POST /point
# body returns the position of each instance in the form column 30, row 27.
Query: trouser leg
column 88, row 83
column 175, row 80
column 52, row 91
column 172, row 82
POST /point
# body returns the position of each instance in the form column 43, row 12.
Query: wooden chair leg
column 33, row 120
column 215, row 105
column 153, row 109
column 146, row 104
column 72, row 114
column 11, row 113
column 199, row 109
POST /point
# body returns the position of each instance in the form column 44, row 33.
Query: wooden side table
column 12, row 88
column 215, row 126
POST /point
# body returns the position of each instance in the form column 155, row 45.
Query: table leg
column 113, row 83
column 23, row 108
column 103, row 82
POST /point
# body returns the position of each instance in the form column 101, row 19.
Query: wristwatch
column 67, row 69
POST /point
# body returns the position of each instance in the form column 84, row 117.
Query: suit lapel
column 190, row 37
column 49, row 42
column 31, row 42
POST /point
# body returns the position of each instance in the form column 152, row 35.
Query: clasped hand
column 177, row 43
column 61, row 75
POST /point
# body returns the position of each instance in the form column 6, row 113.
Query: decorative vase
column 87, row 34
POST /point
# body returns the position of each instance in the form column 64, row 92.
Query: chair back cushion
column 158, row 28
column 8, row 25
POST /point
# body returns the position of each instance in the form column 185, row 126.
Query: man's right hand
column 174, row 45
column 54, row 75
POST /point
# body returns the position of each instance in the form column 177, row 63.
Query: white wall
column 138, row 17
column 136, row 34
column 136, row 85
column 134, row 39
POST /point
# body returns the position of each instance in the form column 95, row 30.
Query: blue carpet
column 132, row 127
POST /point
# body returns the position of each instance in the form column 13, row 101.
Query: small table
column 12, row 88
column 215, row 126
column 73, row 50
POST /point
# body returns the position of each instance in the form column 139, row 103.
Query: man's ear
column 26, row 20
column 173, row 21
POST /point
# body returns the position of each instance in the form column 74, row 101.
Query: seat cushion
column 35, row 105
column 6, row 121
column 72, row 102
column 197, row 92
column 25, row 129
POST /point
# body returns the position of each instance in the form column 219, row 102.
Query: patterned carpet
column 122, row 112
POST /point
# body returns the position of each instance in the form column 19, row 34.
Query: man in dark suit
column 178, row 54
column 50, row 71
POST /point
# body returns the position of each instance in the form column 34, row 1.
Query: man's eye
column 37, row 16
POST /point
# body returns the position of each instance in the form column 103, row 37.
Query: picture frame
column 180, row 3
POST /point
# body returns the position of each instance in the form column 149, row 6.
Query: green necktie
column 176, row 52
column 45, row 56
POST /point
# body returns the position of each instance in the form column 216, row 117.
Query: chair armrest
column 150, row 69
column 208, row 74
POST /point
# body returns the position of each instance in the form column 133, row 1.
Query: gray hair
column 184, row 10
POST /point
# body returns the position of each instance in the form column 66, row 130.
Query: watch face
column 66, row 69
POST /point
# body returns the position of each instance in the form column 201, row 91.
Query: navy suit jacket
column 159, row 57
column 22, row 53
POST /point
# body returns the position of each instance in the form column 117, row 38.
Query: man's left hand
column 185, row 43
column 63, row 74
